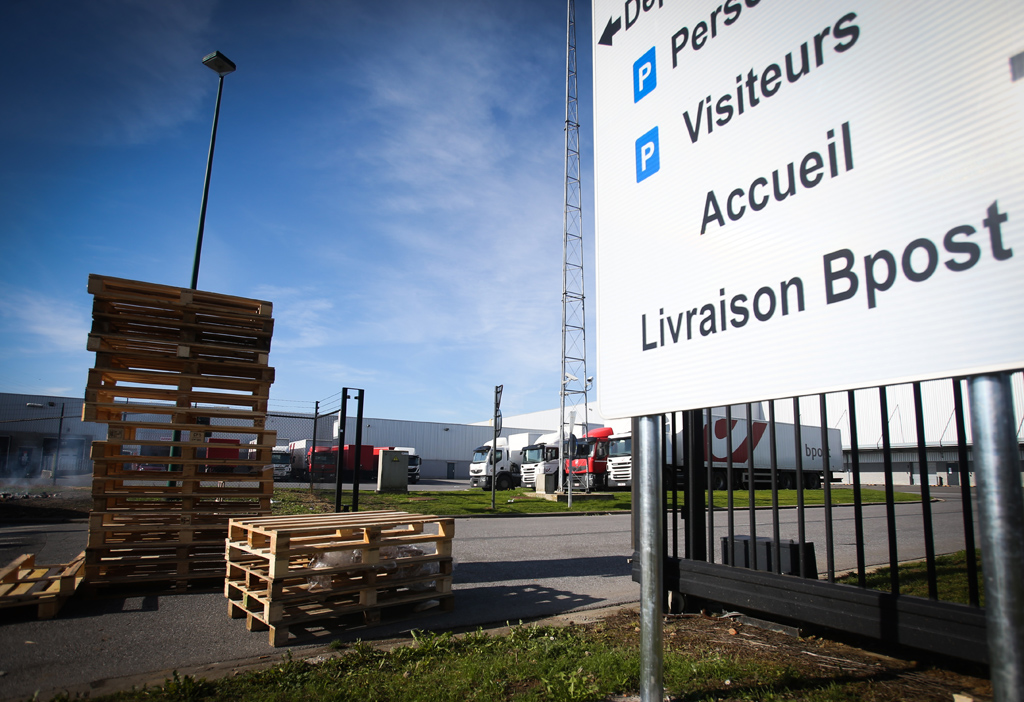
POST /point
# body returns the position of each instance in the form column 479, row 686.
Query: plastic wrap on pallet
column 390, row 561
column 330, row 559
column 394, row 554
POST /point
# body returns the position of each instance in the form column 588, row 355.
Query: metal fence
column 809, row 562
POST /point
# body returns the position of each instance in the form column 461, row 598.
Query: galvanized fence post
column 652, row 555
column 1001, row 511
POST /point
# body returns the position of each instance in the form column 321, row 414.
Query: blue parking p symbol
column 648, row 155
column 645, row 75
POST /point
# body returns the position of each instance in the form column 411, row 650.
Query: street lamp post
column 222, row 65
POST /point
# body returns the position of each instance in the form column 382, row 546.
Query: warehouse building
column 31, row 424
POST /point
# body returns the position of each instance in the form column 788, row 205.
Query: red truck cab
column 590, row 464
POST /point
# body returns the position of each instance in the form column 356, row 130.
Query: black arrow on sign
column 609, row 31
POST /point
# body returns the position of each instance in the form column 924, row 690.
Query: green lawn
column 950, row 575
column 521, row 501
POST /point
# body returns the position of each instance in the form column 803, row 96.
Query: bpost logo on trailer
column 832, row 206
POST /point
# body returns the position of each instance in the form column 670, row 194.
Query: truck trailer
column 321, row 465
column 722, row 433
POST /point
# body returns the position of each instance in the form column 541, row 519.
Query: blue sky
column 388, row 174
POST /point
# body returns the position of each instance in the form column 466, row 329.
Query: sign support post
column 494, row 447
column 1001, row 513
column 649, row 475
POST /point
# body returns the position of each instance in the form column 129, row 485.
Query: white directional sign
column 797, row 197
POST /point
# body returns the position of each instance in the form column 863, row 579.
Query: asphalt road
column 506, row 569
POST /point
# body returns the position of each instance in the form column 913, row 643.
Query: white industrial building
column 29, row 426
column 445, row 448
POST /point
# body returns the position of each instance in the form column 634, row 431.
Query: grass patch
column 950, row 572
column 523, row 501
column 452, row 502
column 704, row 659
column 788, row 498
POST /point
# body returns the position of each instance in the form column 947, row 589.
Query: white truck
column 620, row 460
column 281, row 462
column 505, row 466
column 539, row 458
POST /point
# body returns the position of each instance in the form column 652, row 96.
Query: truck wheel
column 812, row 481
column 504, row 483
column 718, row 481
column 787, row 482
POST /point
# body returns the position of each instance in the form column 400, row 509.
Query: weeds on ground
column 704, row 659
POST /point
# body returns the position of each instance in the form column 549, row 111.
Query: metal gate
column 783, row 561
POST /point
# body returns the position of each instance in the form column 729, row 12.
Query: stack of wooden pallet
column 24, row 583
column 174, row 367
column 291, row 571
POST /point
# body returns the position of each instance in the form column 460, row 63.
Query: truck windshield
column 323, row 457
column 414, row 461
column 620, row 447
column 584, row 448
column 481, row 454
column 533, row 454
column 280, row 459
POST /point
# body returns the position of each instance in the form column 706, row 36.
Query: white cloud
column 44, row 324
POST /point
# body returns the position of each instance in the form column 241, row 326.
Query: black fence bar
column 674, row 461
column 751, row 498
column 798, row 455
column 707, row 433
column 730, row 482
column 665, row 477
column 890, row 498
column 926, row 503
column 858, row 507
column 357, row 466
column 973, row 595
column 696, row 547
column 340, row 462
column 774, row 458
column 826, row 472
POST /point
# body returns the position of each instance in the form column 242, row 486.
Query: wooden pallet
column 109, row 288
column 183, row 507
column 281, row 622
column 199, row 359
column 128, row 345
column 393, row 560
column 172, row 565
column 47, row 587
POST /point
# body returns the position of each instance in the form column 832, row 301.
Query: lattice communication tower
column 574, row 338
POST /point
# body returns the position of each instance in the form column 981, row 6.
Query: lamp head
column 219, row 62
